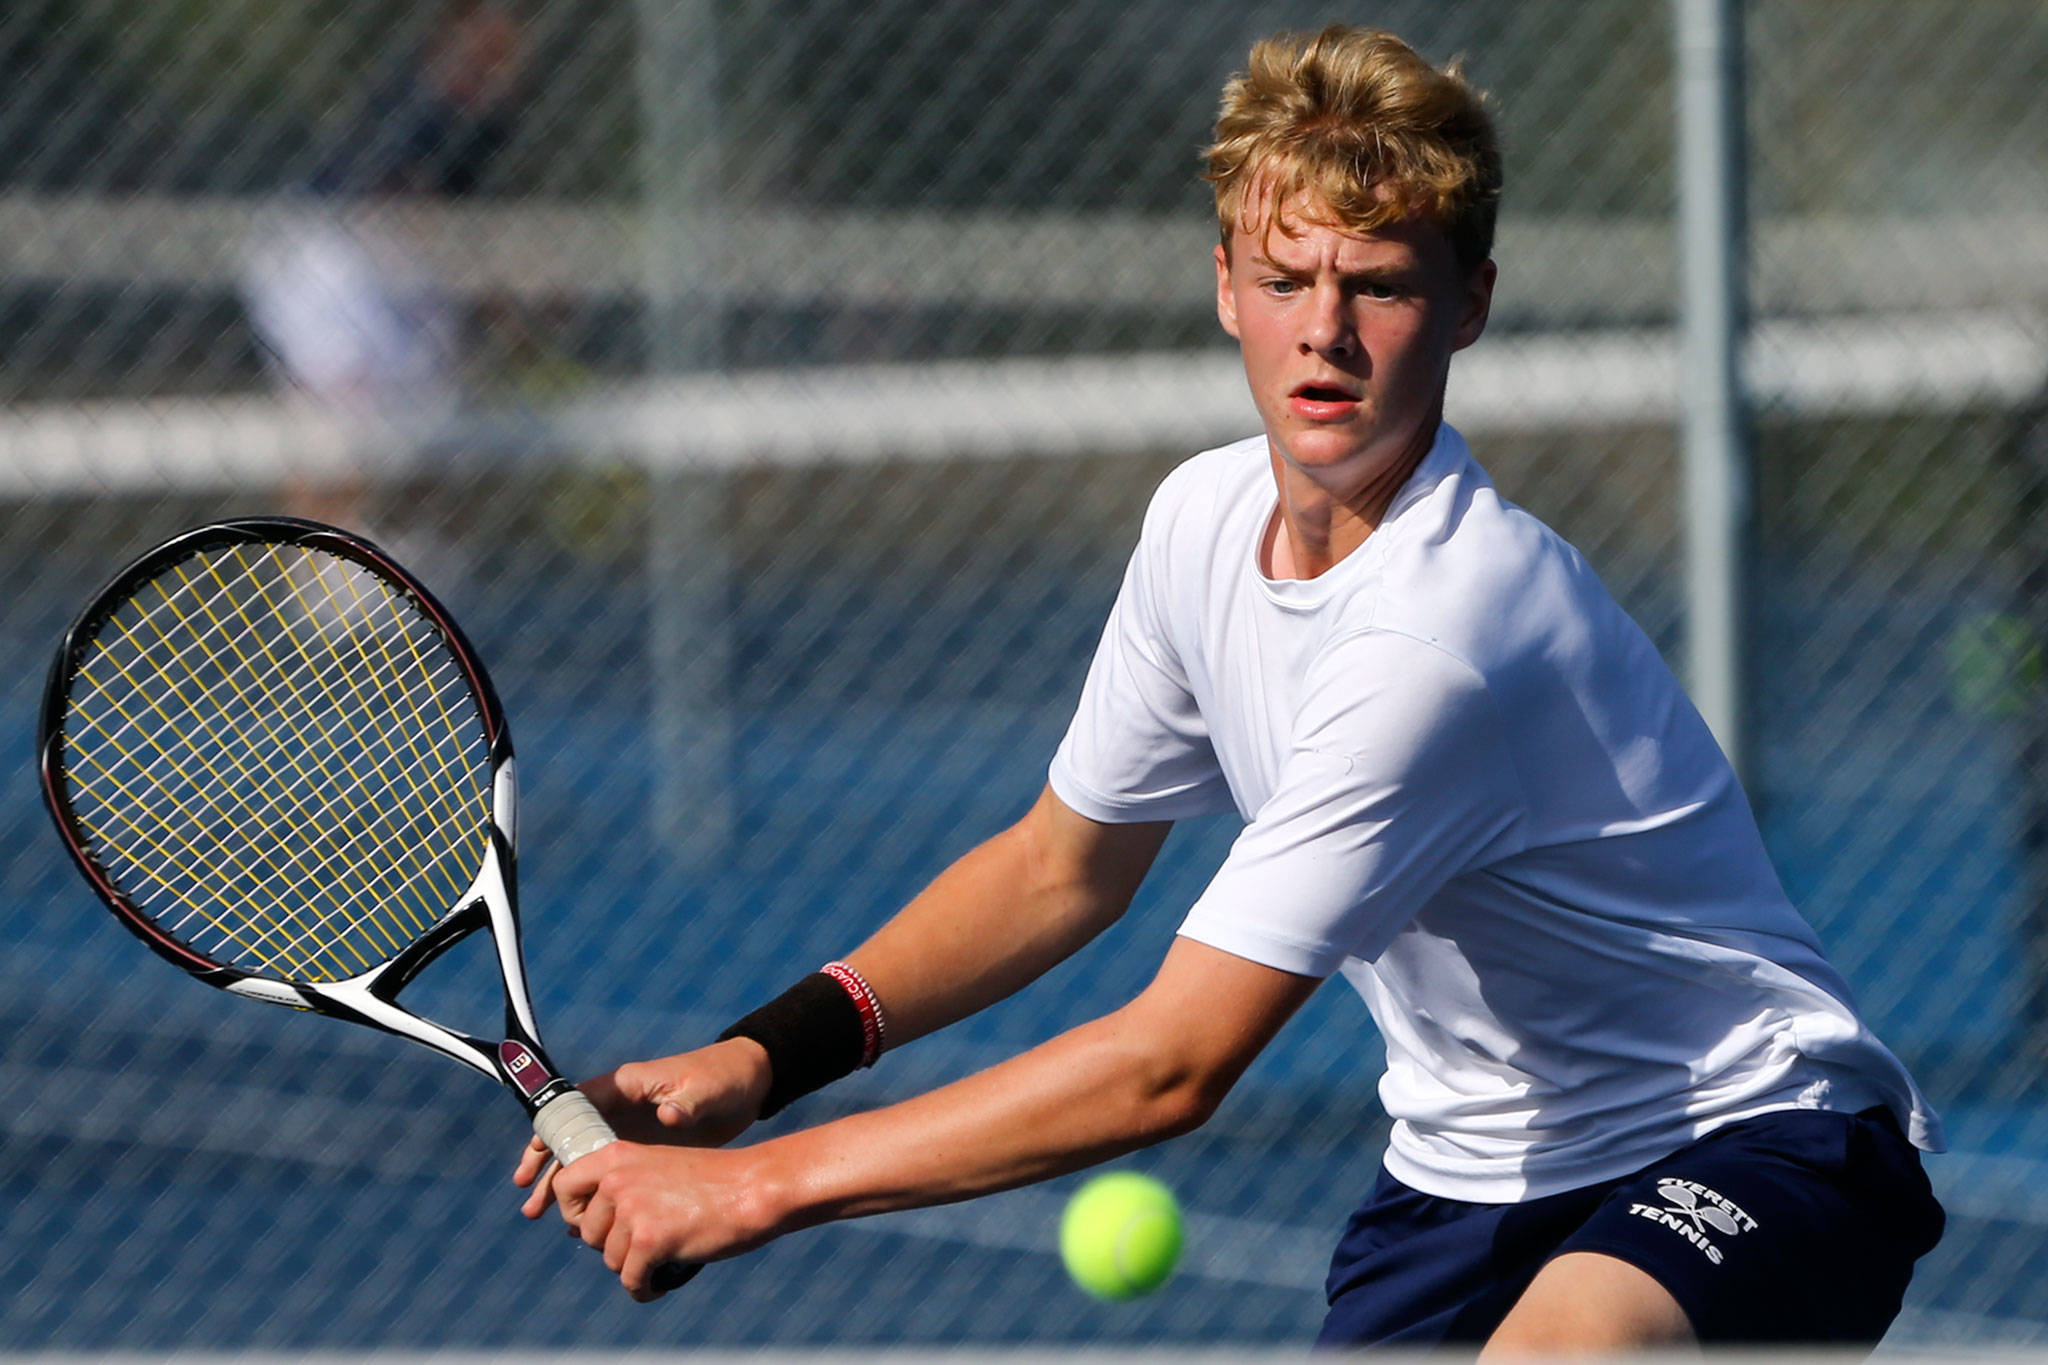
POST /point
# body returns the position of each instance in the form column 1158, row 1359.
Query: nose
column 1327, row 326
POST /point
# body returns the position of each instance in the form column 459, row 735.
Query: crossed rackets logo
column 1692, row 1210
column 1706, row 1208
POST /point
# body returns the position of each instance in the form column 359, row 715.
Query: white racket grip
column 571, row 1127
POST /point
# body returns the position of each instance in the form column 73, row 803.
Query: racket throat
column 529, row 1074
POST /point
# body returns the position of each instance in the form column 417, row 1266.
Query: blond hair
column 1355, row 121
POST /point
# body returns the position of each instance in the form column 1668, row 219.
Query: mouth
column 1323, row 401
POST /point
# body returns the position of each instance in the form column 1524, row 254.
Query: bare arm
column 990, row 924
column 1003, row 915
column 1156, row 1067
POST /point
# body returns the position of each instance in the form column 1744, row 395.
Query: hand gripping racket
column 281, row 765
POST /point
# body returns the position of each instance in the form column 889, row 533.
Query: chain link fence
column 773, row 389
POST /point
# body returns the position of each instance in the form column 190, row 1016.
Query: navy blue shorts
column 1798, row 1226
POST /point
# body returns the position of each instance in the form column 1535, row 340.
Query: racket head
column 216, row 817
column 274, row 755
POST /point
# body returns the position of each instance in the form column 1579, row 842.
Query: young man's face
column 1347, row 337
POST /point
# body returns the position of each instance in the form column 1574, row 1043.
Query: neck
column 1324, row 519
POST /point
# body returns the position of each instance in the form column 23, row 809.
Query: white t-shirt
column 1471, row 785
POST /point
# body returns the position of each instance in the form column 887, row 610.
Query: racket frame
column 518, row 1061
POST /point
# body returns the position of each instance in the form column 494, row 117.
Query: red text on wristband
column 873, row 1035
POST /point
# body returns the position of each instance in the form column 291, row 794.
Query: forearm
column 1157, row 1067
column 1001, row 916
column 1084, row 1097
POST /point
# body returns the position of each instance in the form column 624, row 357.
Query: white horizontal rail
column 1085, row 405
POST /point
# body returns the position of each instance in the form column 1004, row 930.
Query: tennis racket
column 281, row 765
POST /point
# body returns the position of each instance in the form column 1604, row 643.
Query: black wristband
column 812, row 1033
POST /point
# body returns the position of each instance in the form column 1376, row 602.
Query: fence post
column 1712, row 232
column 689, row 635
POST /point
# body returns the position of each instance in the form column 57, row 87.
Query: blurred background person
column 351, row 322
column 469, row 82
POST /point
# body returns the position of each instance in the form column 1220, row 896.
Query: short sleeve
column 1138, row 748
column 1398, row 779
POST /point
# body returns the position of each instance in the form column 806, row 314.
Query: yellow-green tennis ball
column 1121, row 1235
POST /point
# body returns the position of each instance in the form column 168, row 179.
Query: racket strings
column 292, row 729
column 299, row 735
column 156, row 822
column 352, row 708
column 281, row 881
column 208, row 696
column 244, row 837
column 276, row 653
column 228, row 848
column 280, row 761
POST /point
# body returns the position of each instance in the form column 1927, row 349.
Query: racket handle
column 572, row 1128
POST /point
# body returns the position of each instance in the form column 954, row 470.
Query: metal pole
column 689, row 649
column 677, row 77
column 1712, row 235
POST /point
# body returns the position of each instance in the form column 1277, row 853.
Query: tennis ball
column 1120, row 1236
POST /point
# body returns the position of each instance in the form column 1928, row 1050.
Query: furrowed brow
column 1261, row 261
column 1393, row 274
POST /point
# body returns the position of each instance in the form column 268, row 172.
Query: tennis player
column 1633, row 1106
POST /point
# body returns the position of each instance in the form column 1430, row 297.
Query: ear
column 1478, row 305
column 1226, row 302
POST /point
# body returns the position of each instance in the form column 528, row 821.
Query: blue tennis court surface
column 279, row 1181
